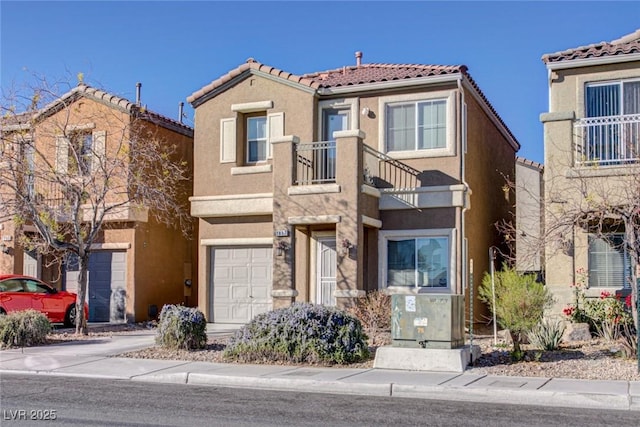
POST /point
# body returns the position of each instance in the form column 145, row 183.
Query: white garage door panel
column 241, row 283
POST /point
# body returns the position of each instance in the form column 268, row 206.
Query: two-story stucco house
column 592, row 158
column 324, row 186
column 136, row 262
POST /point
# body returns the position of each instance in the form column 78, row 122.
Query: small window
column 257, row 148
column 80, row 150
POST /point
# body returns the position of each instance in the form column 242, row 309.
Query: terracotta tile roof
column 351, row 76
column 375, row 73
column 622, row 46
column 119, row 102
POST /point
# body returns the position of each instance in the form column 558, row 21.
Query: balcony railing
column 607, row 141
column 316, row 163
column 382, row 171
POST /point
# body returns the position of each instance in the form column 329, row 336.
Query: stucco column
column 559, row 249
column 350, row 230
column 283, row 290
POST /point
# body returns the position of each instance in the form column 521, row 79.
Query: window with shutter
column 609, row 261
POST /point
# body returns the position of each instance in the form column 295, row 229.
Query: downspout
column 462, row 131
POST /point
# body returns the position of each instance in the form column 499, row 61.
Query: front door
column 326, row 271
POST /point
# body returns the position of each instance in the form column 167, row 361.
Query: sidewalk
column 94, row 358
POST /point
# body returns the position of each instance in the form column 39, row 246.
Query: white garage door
column 240, row 283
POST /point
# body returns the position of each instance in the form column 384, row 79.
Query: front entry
column 326, row 271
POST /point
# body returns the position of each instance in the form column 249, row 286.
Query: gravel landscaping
column 594, row 359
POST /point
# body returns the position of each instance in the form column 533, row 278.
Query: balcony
column 607, row 141
column 316, row 163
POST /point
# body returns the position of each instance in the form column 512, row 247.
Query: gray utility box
column 427, row 321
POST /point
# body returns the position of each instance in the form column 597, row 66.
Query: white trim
column 286, row 138
column 345, row 103
column 351, row 133
column 313, row 189
column 384, row 235
column 11, row 128
column 372, row 222
column 450, row 139
column 231, row 205
column 247, row 170
column 391, row 85
column 75, row 128
column 284, row 293
column 370, row 191
column 588, row 62
column 110, row 246
column 440, row 196
column 317, row 219
column 252, row 107
column 246, row 241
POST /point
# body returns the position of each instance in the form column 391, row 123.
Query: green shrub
column 520, row 302
column 301, row 333
column 547, row 334
column 24, row 328
column 373, row 311
column 181, row 327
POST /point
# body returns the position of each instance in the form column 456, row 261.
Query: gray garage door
column 240, row 283
column 107, row 276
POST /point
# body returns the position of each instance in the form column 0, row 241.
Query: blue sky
column 175, row 48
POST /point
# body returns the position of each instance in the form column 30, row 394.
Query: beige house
column 592, row 153
column 324, row 186
column 137, row 263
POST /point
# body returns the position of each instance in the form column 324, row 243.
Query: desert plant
column 301, row 333
column 181, row 327
column 520, row 302
column 547, row 334
column 24, row 328
column 373, row 311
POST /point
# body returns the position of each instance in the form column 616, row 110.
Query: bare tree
column 77, row 163
column 582, row 197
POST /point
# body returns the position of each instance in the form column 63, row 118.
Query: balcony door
column 333, row 119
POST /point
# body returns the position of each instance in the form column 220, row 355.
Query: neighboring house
column 325, row 186
column 138, row 264
column 529, row 216
column 592, row 154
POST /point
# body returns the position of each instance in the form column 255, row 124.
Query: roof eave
column 589, row 62
column 391, row 84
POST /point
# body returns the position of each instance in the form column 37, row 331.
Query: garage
column 107, row 279
column 240, row 283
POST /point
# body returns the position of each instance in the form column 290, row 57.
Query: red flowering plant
column 608, row 316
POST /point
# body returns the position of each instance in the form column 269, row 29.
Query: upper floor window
column 80, row 150
column 257, row 147
column 418, row 125
column 610, row 132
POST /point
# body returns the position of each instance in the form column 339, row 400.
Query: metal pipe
column 138, row 90
column 180, row 111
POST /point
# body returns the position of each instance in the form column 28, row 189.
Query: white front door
column 30, row 264
column 326, row 271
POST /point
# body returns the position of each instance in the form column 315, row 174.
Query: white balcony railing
column 607, row 141
column 316, row 163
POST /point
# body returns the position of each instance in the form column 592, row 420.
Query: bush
column 547, row 334
column 373, row 311
column 520, row 302
column 24, row 328
column 301, row 333
column 181, row 327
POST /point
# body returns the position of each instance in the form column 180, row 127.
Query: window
column 420, row 125
column 609, row 261
column 418, row 262
column 612, row 133
column 257, row 148
column 80, row 150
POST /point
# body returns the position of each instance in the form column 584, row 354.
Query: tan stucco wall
column 565, row 184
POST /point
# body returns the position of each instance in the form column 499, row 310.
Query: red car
column 23, row 292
